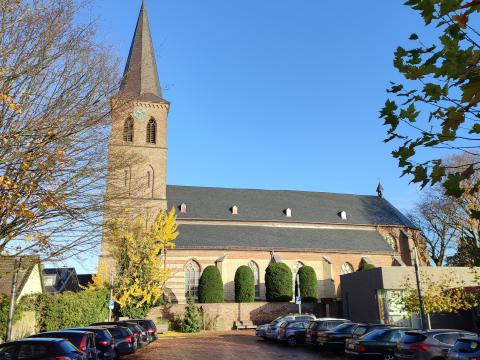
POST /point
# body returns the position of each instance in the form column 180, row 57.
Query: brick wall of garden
column 227, row 313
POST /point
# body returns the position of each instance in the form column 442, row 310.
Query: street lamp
column 423, row 316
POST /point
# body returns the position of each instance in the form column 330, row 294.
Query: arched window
column 347, row 268
column 152, row 131
column 128, row 130
column 192, row 276
column 296, row 267
column 256, row 276
column 391, row 241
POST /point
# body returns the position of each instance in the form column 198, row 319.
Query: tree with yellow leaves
column 442, row 295
column 137, row 251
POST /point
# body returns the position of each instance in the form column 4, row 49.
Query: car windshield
column 466, row 346
column 375, row 334
column 344, row 328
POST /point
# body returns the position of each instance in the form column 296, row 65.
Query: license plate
column 350, row 346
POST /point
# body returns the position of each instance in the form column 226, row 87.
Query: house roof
column 84, row 280
column 7, row 270
column 193, row 236
column 65, row 279
column 271, row 205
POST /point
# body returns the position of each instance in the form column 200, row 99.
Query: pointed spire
column 380, row 190
column 140, row 78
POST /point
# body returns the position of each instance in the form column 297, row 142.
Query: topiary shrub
column 366, row 266
column 244, row 285
column 308, row 284
column 278, row 283
column 210, row 286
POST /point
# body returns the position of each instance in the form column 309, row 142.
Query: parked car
column 39, row 349
column 292, row 332
column 136, row 332
column 465, row 349
column 334, row 340
column 274, row 326
column 103, row 341
column 143, row 338
column 123, row 339
column 261, row 330
column 377, row 344
column 82, row 340
column 318, row 326
column 149, row 325
column 429, row 344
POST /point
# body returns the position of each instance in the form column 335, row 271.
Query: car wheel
column 292, row 341
column 388, row 357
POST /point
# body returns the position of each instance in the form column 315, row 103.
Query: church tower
column 138, row 143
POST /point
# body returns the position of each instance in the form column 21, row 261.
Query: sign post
column 111, row 303
column 298, row 298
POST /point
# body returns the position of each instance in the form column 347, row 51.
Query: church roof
column 271, row 205
column 279, row 238
column 140, row 78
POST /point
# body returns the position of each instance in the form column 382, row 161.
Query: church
column 228, row 228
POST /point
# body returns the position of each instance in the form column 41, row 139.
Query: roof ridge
column 270, row 190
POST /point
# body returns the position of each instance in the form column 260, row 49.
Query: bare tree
column 55, row 87
column 434, row 215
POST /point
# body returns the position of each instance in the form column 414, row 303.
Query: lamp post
column 423, row 316
column 298, row 294
column 13, row 298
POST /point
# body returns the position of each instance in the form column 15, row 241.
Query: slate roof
column 7, row 268
column 279, row 238
column 269, row 205
column 140, row 78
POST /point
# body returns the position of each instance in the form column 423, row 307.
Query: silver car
column 465, row 349
column 428, row 345
column 274, row 326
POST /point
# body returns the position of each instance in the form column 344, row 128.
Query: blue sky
column 274, row 94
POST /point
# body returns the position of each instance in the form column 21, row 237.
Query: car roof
column 37, row 339
column 330, row 319
column 68, row 331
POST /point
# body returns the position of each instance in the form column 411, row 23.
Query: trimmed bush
column 366, row 266
column 278, row 283
column 70, row 309
column 244, row 285
column 210, row 286
column 308, row 284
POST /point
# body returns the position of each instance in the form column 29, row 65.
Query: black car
column 316, row 327
column 149, row 325
column 137, row 332
column 103, row 341
column 429, row 344
column 292, row 332
column 334, row 340
column 123, row 339
column 377, row 344
column 82, row 340
column 143, row 338
column 39, row 349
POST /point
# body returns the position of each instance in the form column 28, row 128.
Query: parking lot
column 224, row 345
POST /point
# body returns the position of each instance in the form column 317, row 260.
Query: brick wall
column 228, row 313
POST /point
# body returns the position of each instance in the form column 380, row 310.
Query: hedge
column 308, row 284
column 210, row 286
column 366, row 266
column 70, row 309
column 244, row 285
column 278, row 283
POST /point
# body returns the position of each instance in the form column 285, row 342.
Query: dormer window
column 183, row 208
column 234, row 210
column 343, row 215
column 288, row 212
